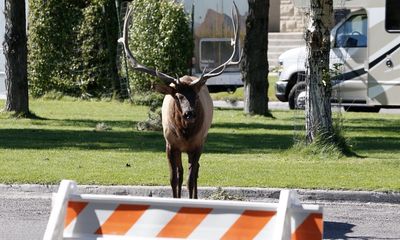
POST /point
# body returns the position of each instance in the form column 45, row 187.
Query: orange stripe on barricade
column 89, row 216
column 123, row 218
column 184, row 222
column 73, row 210
column 249, row 224
column 310, row 229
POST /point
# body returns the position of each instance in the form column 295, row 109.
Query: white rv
column 212, row 33
column 365, row 49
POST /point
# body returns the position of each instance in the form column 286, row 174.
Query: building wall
column 291, row 19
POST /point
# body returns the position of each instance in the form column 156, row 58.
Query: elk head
column 185, row 95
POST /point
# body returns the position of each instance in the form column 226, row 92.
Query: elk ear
column 164, row 89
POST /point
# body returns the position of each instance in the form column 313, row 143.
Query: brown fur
column 183, row 136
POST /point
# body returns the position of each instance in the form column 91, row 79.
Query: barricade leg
column 55, row 226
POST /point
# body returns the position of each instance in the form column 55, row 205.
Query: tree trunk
column 255, row 60
column 15, row 51
column 318, row 106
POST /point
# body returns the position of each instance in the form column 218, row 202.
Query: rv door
column 349, row 50
column 384, row 55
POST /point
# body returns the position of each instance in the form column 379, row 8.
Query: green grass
column 240, row 151
column 238, row 94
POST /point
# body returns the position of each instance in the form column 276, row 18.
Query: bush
column 50, row 42
column 97, row 41
column 160, row 38
column 72, row 47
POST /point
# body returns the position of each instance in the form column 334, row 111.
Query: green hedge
column 72, row 47
column 73, row 44
column 160, row 37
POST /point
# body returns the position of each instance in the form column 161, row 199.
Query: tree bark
column 15, row 51
column 255, row 60
column 318, row 106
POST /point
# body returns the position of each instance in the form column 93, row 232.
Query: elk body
column 187, row 113
column 186, row 117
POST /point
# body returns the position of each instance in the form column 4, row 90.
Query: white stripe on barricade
column 90, row 216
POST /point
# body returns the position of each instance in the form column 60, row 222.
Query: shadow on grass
column 129, row 139
column 134, row 140
column 233, row 126
column 365, row 124
column 21, row 115
column 246, row 143
column 228, row 141
column 374, row 143
column 89, row 123
column 50, row 139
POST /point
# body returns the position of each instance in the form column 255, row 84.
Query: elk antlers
column 168, row 79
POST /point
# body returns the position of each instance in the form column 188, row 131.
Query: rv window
column 392, row 20
column 215, row 51
column 353, row 32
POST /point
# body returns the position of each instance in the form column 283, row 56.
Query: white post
column 287, row 200
column 55, row 226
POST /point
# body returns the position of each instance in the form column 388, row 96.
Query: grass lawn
column 240, row 151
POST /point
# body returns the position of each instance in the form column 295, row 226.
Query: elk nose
column 189, row 115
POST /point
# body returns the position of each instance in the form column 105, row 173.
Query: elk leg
column 180, row 174
column 193, row 173
column 175, row 164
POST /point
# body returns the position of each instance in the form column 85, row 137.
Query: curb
column 239, row 104
column 251, row 194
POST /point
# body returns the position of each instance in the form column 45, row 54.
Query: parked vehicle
column 365, row 57
column 212, row 29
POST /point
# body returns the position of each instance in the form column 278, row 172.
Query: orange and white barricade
column 92, row 216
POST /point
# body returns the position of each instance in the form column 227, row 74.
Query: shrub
column 160, row 37
column 97, row 41
column 50, row 43
column 72, row 47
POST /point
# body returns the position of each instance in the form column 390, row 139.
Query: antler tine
column 220, row 69
column 204, row 72
column 135, row 64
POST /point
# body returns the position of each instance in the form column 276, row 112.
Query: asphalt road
column 24, row 216
column 285, row 106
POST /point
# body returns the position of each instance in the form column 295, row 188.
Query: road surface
column 24, row 216
column 285, row 106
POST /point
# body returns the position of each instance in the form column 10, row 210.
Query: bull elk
column 187, row 112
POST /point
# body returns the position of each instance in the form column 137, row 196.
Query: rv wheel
column 297, row 96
